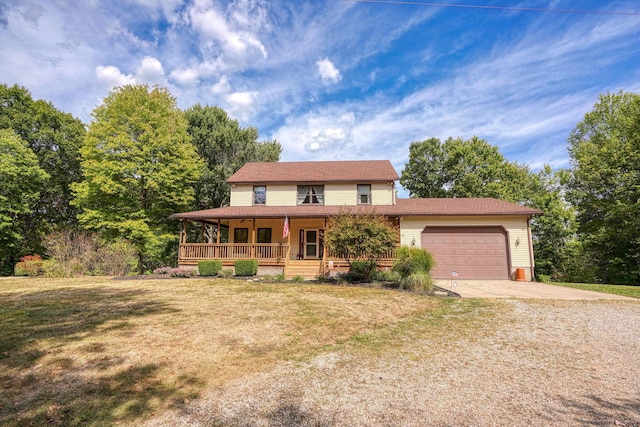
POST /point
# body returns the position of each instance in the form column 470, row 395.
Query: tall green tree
column 55, row 137
column 605, row 157
column 21, row 180
column 464, row 168
column 226, row 147
column 139, row 167
column 554, row 232
column 474, row 168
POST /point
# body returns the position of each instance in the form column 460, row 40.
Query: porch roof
column 403, row 207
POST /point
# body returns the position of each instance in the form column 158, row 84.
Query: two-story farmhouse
column 279, row 211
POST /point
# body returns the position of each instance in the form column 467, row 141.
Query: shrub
column 226, row 273
column 385, row 276
column 417, row 282
column 360, row 270
column 297, row 279
column 115, row 259
column 163, row 270
column 182, row 272
column 209, row 267
column 353, row 277
column 53, row 269
column 29, row 265
column 280, row 277
column 19, row 271
column 174, row 272
column 246, row 267
column 544, row 278
column 73, row 250
column 81, row 252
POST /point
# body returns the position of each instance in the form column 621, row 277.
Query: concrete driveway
column 511, row 289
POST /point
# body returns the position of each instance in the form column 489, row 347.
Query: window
column 264, row 235
column 240, row 235
column 259, row 195
column 364, row 194
column 311, row 194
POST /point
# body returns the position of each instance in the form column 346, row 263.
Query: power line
column 512, row 8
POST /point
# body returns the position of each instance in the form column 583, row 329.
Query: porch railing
column 389, row 255
column 232, row 251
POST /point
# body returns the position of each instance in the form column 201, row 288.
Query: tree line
column 590, row 228
column 141, row 158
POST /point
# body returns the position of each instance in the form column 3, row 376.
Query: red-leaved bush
column 29, row 265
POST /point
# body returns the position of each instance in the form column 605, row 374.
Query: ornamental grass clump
column 413, row 266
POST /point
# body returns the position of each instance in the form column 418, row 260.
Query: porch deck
column 267, row 254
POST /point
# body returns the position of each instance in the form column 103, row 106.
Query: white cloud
column 327, row 134
column 328, row 72
column 222, row 87
column 241, row 103
column 242, row 99
column 111, row 76
column 186, row 77
column 232, row 39
column 150, row 71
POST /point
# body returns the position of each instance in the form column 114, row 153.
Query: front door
column 311, row 244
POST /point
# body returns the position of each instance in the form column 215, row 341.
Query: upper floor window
column 364, row 194
column 259, row 195
column 311, row 194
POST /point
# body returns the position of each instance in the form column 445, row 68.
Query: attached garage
column 473, row 252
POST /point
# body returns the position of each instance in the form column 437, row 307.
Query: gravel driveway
column 546, row 363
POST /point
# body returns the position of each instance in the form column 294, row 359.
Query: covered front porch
column 282, row 245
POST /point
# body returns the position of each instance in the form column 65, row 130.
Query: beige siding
column 347, row 194
column 411, row 230
column 241, row 195
column 382, row 193
column 335, row 194
column 281, row 195
column 340, row 194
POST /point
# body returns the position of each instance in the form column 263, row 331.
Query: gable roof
column 404, row 207
column 315, row 172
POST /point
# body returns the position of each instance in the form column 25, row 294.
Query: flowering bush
column 182, row 272
column 163, row 270
column 29, row 265
column 175, row 272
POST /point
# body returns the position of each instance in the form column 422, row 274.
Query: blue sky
column 339, row 79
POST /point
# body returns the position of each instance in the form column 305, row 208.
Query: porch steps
column 307, row 269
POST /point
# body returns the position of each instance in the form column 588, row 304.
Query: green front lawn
column 627, row 291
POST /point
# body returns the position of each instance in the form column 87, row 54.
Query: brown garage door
column 474, row 252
